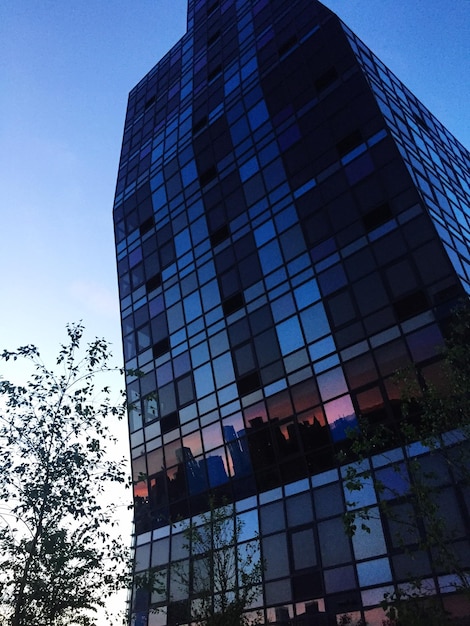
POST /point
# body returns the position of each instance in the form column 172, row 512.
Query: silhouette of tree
column 59, row 557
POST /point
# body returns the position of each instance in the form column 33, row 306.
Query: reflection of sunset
column 305, row 395
column 212, row 436
column 279, row 405
column 309, row 418
column 193, row 442
column 236, row 421
column 341, row 416
column 341, row 407
column 220, row 452
column 141, row 489
column 255, row 410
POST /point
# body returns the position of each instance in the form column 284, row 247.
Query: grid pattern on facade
column 291, row 229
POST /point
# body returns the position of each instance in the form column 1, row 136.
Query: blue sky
column 65, row 71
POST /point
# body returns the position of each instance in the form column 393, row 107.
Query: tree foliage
column 434, row 431
column 221, row 578
column 59, row 558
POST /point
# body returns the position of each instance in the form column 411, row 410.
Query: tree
column 417, row 496
column 220, row 579
column 60, row 557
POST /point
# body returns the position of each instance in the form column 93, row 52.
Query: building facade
column 292, row 227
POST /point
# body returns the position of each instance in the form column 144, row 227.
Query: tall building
column 292, row 226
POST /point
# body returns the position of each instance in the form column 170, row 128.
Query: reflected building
column 292, row 227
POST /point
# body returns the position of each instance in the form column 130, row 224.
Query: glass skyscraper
column 292, row 227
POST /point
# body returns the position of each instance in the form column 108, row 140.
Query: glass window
column 283, row 307
column 244, row 359
column 306, row 294
column 192, row 307
column 267, row 349
column 199, row 354
column 275, row 556
column 160, row 552
column 249, row 525
column 270, row 257
column 303, row 548
column 175, row 317
column 360, row 371
column 332, row 384
column 340, row 579
column 375, row 572
column 210, row 295
column 370, row 542
column 290, row 335
column 334, row 544
column 305, row 395
column 424, row 343
column 217, row 467
column 314, row 322
column 223, row 370
column 167, row 399
column 142, row 557
column 279, row 591
column 292, row 243
column 365, row 496
column 185, row 390
column 179, row 546
column 332, row 279
column 299, row 510
column 155, row 461
column 341, row 417
column 272, row 517
column 264, row 233
column 248, row 169
column 204, row 380
column 212, row 436
column 258, row 115
column 321, row 348
column 328, row 500
column 279, row 405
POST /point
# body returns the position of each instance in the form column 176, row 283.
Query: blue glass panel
column 341, row 417
column 290, row 335
column 182, row 242
column 306, row 294
column 359, row 169
column 258, row 115
column 192, row 306
column 333, row 279
column 321, row 348
column 283, row 307
column 210, row 295
column 270, row 257
column 264, row 233
column 240, row 131
column 371, row 542
column 203, row 380
column 248, row 68
column 248, row 169
column 159, row 198
column 189, row 173
column 374, row 572
column 200, row 354
column 286, row 218
column 332, row 384
column 314, row 322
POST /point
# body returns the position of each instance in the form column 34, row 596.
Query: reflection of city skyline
column 312, row 616
column 280, row 444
